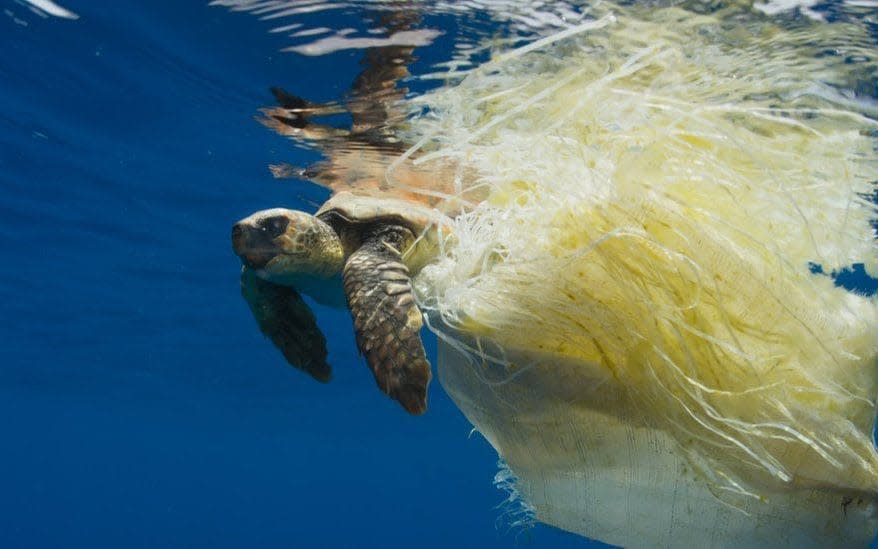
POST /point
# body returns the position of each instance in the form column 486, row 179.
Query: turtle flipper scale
column 287, row 320
column 386, row 319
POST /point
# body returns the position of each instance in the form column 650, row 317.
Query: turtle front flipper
column 287, row 320
column 386, row 319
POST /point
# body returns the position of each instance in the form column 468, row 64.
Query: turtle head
column 281, row 245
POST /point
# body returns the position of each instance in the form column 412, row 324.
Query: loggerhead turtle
column 371, row 233
column 376, row 245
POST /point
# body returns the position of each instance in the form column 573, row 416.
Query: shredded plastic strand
column 656, row 191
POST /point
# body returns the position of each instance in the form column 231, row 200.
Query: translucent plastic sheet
column 630, row 317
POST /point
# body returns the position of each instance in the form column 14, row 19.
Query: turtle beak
column 238, row 231
column 252, row 244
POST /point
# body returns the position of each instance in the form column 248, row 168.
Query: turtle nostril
column 237, row 230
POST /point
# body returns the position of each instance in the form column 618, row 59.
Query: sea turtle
column 374, row 245
column 363, row 245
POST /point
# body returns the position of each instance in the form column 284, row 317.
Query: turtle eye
column 274, row 226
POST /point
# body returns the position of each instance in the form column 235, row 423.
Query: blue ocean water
column 141, row 406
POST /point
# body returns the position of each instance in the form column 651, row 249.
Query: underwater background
column 141, row 406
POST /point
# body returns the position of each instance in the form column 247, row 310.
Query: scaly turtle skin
column 375, row 244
